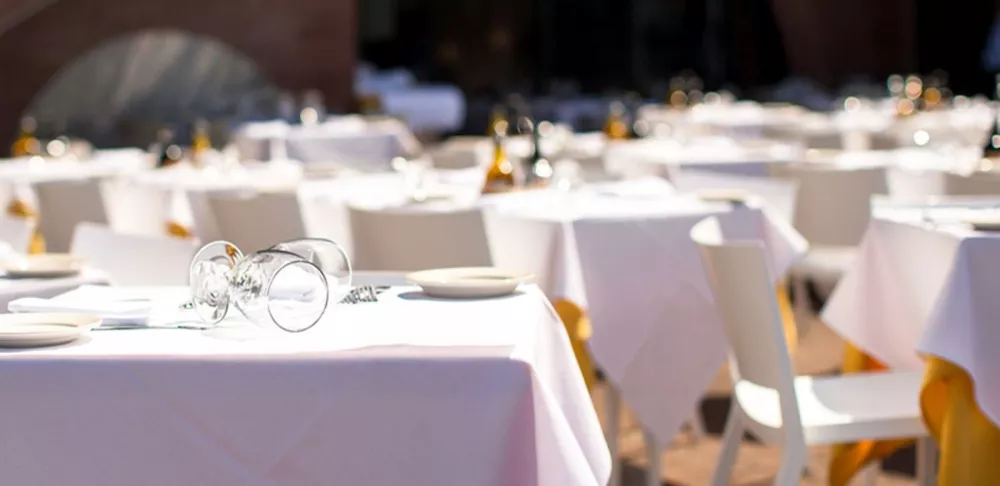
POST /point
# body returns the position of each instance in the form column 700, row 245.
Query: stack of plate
column 47, row 265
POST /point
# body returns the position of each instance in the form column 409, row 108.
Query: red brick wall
column 298, row 44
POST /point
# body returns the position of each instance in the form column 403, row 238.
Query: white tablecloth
column 349, row 140
column 410, row 390
column 630, row 262
column 659, row 156
column 922, row 288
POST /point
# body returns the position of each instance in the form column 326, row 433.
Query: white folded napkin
column 115, row 305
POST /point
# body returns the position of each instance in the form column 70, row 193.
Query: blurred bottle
column 517, row 109
column 499, row 114
column 370, row 104
column 677, row 96
column 903, row 106
column 166, row 151
column 313, row 108
column 538, row 172
column 695, row 89
column 201, row 143
column 26, row 143
column 500, row 175
column 616, row 126
column 633, row 102
column 286, row 107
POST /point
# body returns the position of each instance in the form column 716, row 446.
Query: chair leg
column 793, row 464
column 696, row 426
column 927, row 462
column 653, row 451
column 731, row 438
column 612, row 425
column 867, row 476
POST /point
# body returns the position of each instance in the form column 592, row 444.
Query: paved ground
column 690, row 463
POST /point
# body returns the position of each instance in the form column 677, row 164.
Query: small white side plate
column 47, row 265
column 723, row 195
column 987, row 223
column 468, row 282
column 44, row 329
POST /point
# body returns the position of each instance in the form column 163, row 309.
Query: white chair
column 832, row 213
column 255, row 221
column 402, row 239
column 137, row 209
column 16, row 232
column 768, row 399
column 133, row 259
column 62, row 205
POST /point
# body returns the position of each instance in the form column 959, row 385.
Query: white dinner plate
column 983, row 223
column 723, row 195
column 468, row 282
column 46, row 265
column 31, row 330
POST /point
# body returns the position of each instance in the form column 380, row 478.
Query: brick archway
column 307, row 45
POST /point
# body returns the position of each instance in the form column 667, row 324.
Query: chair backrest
column 133, row 259
column 16, row 232
column 833, row 201
column 974, row 184
column 137, row 209
column 780, row 195
column 738, row 274
column 515, row 242
column 62, row 205
column 255, row 221
column 415, row 239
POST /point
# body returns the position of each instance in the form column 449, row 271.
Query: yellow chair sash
column 849, row 459
column 787, row 317
column 21, row 210
column 578, row 327
column 178, row 230
column 969, row 442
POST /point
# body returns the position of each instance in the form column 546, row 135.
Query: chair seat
column 843, row 408
column 825, row 265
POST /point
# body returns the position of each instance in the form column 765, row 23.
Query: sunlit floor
column 690, row 462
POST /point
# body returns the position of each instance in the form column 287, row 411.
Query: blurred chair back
column 833, row 206
column 405, row 240
column 974, row 184
column 62, row 205
column 514, row 242
column 16, row 232
column 137, row 209
column 780, row 195
column 255, row 221
column 132, row 259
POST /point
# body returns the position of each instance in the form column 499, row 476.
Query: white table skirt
column 916, row 288
column 410, row 390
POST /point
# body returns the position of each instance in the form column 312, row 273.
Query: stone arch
column 307, row 45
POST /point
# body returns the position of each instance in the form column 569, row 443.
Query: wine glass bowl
column 329, row 257
column 209, row 279
column 288, row 286
column 279, row 288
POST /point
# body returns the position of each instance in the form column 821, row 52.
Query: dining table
column 920, row 297
column 410, row 389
